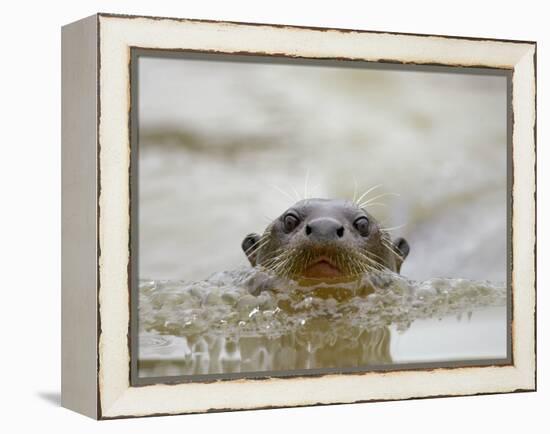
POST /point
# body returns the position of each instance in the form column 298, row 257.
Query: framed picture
column 261, row 216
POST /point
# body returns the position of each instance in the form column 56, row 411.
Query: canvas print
column 298, row 217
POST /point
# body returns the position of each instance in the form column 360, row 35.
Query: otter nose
column 324, row 229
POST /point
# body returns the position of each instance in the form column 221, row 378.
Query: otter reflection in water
column 214, row 354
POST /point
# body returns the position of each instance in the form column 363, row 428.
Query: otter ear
column 249, row 246
column 402, row 246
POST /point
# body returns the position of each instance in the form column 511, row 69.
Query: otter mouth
column 322, row 267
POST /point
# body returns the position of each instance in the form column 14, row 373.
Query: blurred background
column 226, row 146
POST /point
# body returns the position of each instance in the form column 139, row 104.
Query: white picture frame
column 96, row 213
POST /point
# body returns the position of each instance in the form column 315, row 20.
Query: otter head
column 325, row 239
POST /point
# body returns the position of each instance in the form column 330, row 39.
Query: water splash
column 225, row 304
column 218, row 325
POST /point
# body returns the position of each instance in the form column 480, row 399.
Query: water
column 217, row 326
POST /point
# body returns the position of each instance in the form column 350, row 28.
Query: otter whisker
column 275, row 262
column 295, row 263
column 354, row 189
column 393, row 228
column 278, row 256
column 367, row 202
column 280, row 261
column 377, row 204
column 338, row 261
column 392, row 250
column 262, row 242
column 280, row 190
column 281, row 269
column 306, row 260
column 305, row 184
column 366, row 267
column 290, row 261
column 263, row 238
column 312, row 189
column 368, row 255
column 296, row 194
column 256, row 249
column 268, row 268
column 278, row 270
column 365, row 193
column 355, row 266
column 376, row 264
column 373, row 265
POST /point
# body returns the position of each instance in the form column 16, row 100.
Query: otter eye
column 290, row 222
column 362, row 226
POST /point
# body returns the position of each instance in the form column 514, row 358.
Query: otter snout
column 324, row 229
